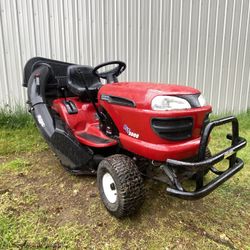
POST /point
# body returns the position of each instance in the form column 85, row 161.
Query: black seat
column 75, row 82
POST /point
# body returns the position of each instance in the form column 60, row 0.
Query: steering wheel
column 110, row 75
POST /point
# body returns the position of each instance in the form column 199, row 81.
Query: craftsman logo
column 129, row 132
column 40, row 120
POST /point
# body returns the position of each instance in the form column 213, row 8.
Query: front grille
column 174, row 129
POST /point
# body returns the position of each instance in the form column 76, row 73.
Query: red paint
column 143, row 93
column 85, row 121
column 138, row 119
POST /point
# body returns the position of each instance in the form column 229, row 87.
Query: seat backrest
column 75, row 79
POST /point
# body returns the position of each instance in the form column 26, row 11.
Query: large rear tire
column 120, row 185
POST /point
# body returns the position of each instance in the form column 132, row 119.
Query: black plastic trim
column 59, row 68
column 192, row 99
column 174, row 129
column 94, row 139
column 118, row 100
column 71, row 153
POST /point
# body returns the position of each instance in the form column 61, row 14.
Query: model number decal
column 129, row 132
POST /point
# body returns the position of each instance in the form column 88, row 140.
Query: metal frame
column 235, row 163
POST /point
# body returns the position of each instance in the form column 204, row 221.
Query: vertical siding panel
column 143, row 46
column 220, row 83
column 12, row 54
column 206, row 83
column 121, row 55
column 53, row 29
column 245, row 65
column 149, row 38
column 175, row 40
column 179, row 43
column 212, row 92
column 240, row 56
column 230, row 70
column 204, row 44
column 198, row 45
column 234, row 93
column 31, row 27
column 133, row 45
column 202, row 49
column 165, row 45
column 138, row 38
column 82, row 32
column 226, row 56
column 153, row 68
column 19, row 65
column 189, row 39
column 62, row 25
column 159, row 41
column 3, row 70
column 170, row 39
column 126, row 39
column 183, row 52
column 248, row 90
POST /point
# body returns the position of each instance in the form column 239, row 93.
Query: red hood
column 142, row 93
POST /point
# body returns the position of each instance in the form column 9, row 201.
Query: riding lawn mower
column 124, row 132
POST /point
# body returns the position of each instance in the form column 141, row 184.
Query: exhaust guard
column 235, row 163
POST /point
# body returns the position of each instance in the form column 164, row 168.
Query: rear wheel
column 120, row 185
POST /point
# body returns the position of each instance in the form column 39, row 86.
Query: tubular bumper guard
column 235, row 163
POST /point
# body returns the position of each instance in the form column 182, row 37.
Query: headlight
column 169, row 103
column 202, row 100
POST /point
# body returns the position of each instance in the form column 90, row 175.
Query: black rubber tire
column 128, row 182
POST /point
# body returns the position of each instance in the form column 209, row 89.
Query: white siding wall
column 200, row 43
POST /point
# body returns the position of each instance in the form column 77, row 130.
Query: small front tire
column 120, row 185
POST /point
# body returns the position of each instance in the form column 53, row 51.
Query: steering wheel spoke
column 110, row 75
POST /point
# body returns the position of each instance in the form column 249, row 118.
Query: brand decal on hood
column 129, row 132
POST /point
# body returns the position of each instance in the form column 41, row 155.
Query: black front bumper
column 235, row 163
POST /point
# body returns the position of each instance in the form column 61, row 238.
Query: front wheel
column 120, row 185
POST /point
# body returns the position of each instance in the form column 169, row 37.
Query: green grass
column 19, row 133
column 218, row 135
column 15, row 165
column 39, row 209
column 29, row 230
column 17, row 119
column 26, row 139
